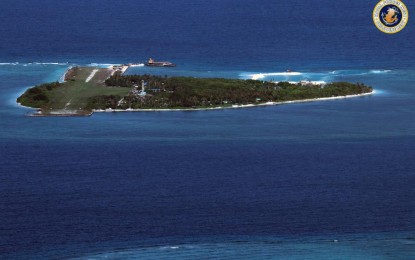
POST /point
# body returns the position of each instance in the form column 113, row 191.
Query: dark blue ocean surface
column 227, row 34
column 318, row 180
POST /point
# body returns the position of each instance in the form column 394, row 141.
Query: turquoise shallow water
column 318, row 180
column 273, row 249
column 358, row 246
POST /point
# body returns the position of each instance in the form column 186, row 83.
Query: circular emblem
column 390, row 16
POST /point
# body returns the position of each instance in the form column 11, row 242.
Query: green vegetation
column 187, row 92
column 81, row 94
column 70, row 97
column 39, row 96
column 103, row 102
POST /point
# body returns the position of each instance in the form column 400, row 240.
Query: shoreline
column 123, row 68
column 62, row 79
column 231, row 107
column 38, row 113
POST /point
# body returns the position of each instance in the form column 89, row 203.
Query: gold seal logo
column 390, row 16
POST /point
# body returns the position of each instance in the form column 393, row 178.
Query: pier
column 121, row 68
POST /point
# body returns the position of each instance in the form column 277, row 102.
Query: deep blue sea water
column 318, row 180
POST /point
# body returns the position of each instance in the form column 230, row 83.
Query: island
column 88, row 89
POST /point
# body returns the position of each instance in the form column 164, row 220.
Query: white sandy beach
column 234, row 106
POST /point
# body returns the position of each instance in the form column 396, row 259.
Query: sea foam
column 263, row 75
column 101, row 65
column 8, row 63
column 380, row 71
column 137, row 65
column 50, row 63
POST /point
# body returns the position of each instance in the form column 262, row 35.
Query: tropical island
column 87, row 90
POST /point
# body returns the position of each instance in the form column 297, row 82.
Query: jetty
column 120, row 69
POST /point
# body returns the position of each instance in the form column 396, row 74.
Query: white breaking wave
column 62, row 78
column 8, row 63
column 263, row 75
column 357, row 72
column 137, row 65
column 34, row 63
column 321, row 77
column 380, row 71
column 104, row 65
column 50, row 63
column 169, row 247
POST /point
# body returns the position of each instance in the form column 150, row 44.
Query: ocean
column 315, row 180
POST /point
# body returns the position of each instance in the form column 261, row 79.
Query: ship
column 153, row 63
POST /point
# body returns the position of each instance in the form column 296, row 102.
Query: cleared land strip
column 91, row 75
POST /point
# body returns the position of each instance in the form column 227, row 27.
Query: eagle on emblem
column 391, row 16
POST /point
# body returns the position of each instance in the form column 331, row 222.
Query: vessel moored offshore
column 153, row 63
